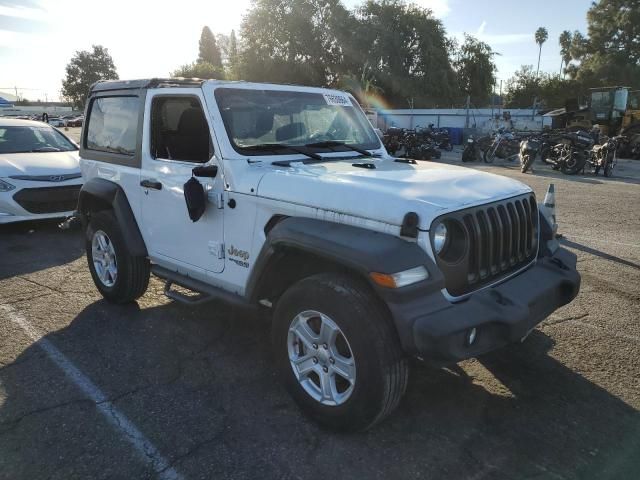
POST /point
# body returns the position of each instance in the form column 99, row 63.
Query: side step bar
column 207, row 292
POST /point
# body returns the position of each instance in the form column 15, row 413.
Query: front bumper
column 437, row 330
column 42, row 202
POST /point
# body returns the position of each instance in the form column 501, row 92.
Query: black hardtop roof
column 106, row 85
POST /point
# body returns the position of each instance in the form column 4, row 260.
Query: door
column 177, row 139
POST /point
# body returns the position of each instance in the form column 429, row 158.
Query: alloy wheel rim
column 104, row 258
column 321, row 358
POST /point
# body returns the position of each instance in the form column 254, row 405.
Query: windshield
column 261, row 118
column 33, row 139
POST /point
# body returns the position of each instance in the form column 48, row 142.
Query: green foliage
column 203, row 70
column 610, row 53
column 209, row 51
column 233, row 56
column 84, row 69
column 564, row 41
column 547, row 90
column 295, row 41
column 541, row 36
column 473, row 63
column 408, row 53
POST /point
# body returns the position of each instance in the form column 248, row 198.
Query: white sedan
column 39, row 172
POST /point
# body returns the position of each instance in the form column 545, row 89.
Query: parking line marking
column 142, row 444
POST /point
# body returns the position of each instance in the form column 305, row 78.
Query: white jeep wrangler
column 284, row 196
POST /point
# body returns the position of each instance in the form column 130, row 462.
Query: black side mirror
column 209, row 171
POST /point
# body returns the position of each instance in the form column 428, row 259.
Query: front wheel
column 337, row 352
column 574, row 163
column 119, row 276
column 489, row 155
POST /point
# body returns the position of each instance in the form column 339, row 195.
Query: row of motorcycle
column 570, row 152
column 420, row 143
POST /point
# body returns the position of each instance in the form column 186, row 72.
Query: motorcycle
column 604, row 157
column 571, row 153
column 392, row 139
column 529, row 149
column 440, row 136
column 505, row 145
column 470, row 152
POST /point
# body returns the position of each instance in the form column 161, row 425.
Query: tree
column 610, row 52
column 406, row 47
column 522, row 88
column 541, row 36
column 199, row 69
column 473, row 63
column 295, row 41
column 565, row 40
column 234, row 57
column 85, row 69
column 362, row 87
column 551, row 91
column 209, row 51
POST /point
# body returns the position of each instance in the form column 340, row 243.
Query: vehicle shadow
column 27, row 247
column 199, row 383
column 599, row 253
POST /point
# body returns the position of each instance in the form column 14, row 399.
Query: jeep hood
column 387, row 193
column 39, row 163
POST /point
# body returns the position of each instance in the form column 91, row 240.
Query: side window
column 113, row 125
column 179, row 130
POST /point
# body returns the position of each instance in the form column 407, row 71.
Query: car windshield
column 20, row 139
column 258, row 120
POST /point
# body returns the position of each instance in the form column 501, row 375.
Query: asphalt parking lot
column 160, row 390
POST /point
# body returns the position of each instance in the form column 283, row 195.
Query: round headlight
column 439, row 237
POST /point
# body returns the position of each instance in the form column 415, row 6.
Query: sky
column 151, row 39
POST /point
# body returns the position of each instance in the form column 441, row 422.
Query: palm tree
column 541, row 37
column 565, row 49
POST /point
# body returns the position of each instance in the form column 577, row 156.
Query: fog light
column 471, row 336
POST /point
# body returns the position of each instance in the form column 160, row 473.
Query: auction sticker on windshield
column 336, row 99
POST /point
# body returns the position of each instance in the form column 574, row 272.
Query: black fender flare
column 99, row 194
column 357, row 249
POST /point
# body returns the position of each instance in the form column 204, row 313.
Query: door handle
column 153, row 184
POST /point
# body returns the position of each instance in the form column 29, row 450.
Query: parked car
column 57, row 122
column 75, row 121
column 39, row 172
column 284, row 196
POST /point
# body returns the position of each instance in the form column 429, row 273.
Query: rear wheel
column 338, row 353
column 526, row 162
column 119, row 276
column 608, row 168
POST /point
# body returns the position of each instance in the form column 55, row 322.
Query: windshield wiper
column 46, row 149
column 282, row 146
column 335, row 143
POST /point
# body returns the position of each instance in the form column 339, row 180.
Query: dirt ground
column 160, row 390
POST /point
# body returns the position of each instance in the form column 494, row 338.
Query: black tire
column 608, row 169
column 468, row 155
column 580, row 159
column 133, row 272
column 488, row 157
column 381, row 367
column 526, row 163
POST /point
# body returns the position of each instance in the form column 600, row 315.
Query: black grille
column 501, row 238
column 48, row 200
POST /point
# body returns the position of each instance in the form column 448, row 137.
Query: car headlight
column 6, row 186
column 439, row 238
